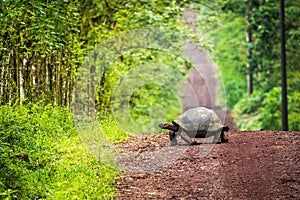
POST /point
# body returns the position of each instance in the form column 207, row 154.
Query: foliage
column 115, row 34
column 59, row 166
column 263, row 111
column 43, row 44
column 33, row 131
column 39, row 51
column 225, row 32
column 230, row 53
column 110, row 127
column 155, row 78
column 79, row 175
column 101, row 20
column 151, row 104
column 230, row 56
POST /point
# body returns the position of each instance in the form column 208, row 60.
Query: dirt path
column 203, row 81
column 201, row 86
column 252, row 165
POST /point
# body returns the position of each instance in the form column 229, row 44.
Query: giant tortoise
column 198, row 122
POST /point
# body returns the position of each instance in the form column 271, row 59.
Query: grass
column 61, row 165
column 79, row 175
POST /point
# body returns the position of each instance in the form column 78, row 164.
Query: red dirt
column 252, row 165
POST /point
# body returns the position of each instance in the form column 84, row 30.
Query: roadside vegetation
column 42, row 157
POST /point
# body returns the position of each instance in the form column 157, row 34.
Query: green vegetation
column 231, row 57
column 259, row 56
column 264, row 110
column 152, row 85
column 59, row 165
column 39, row 51
column 44, row 45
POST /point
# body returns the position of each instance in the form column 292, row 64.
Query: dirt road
column 252, row 165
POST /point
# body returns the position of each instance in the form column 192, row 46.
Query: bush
column 31, row 131
column 263, row 110
column 59, row 166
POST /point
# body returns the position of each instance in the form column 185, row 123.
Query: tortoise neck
column 173, row 127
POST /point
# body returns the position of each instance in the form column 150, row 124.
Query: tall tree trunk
column 249, row 53
column 12, row 70
column 3, row 81
column 21, row 78
column 284, row 100
column 34, row 82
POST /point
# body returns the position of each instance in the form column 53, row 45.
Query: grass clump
column 79, row 175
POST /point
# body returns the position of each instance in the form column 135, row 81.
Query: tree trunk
column 249, row 53
column 21, row 79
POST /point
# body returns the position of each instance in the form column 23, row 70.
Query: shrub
column 263, row 110
column 59, row 166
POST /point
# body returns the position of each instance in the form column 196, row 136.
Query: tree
column 39, row 54
column 229, row 52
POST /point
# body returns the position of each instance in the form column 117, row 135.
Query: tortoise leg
column 223, row 137
column 218, row 137
column 186, row 138
column 173, row 140
column 217, row 141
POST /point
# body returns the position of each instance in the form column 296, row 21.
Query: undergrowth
column 59, row 166
column 262, row 110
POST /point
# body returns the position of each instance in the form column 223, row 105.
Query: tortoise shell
column 199, row 119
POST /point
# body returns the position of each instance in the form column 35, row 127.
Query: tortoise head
column 166, row 125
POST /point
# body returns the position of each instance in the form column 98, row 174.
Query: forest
column 121, row 62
